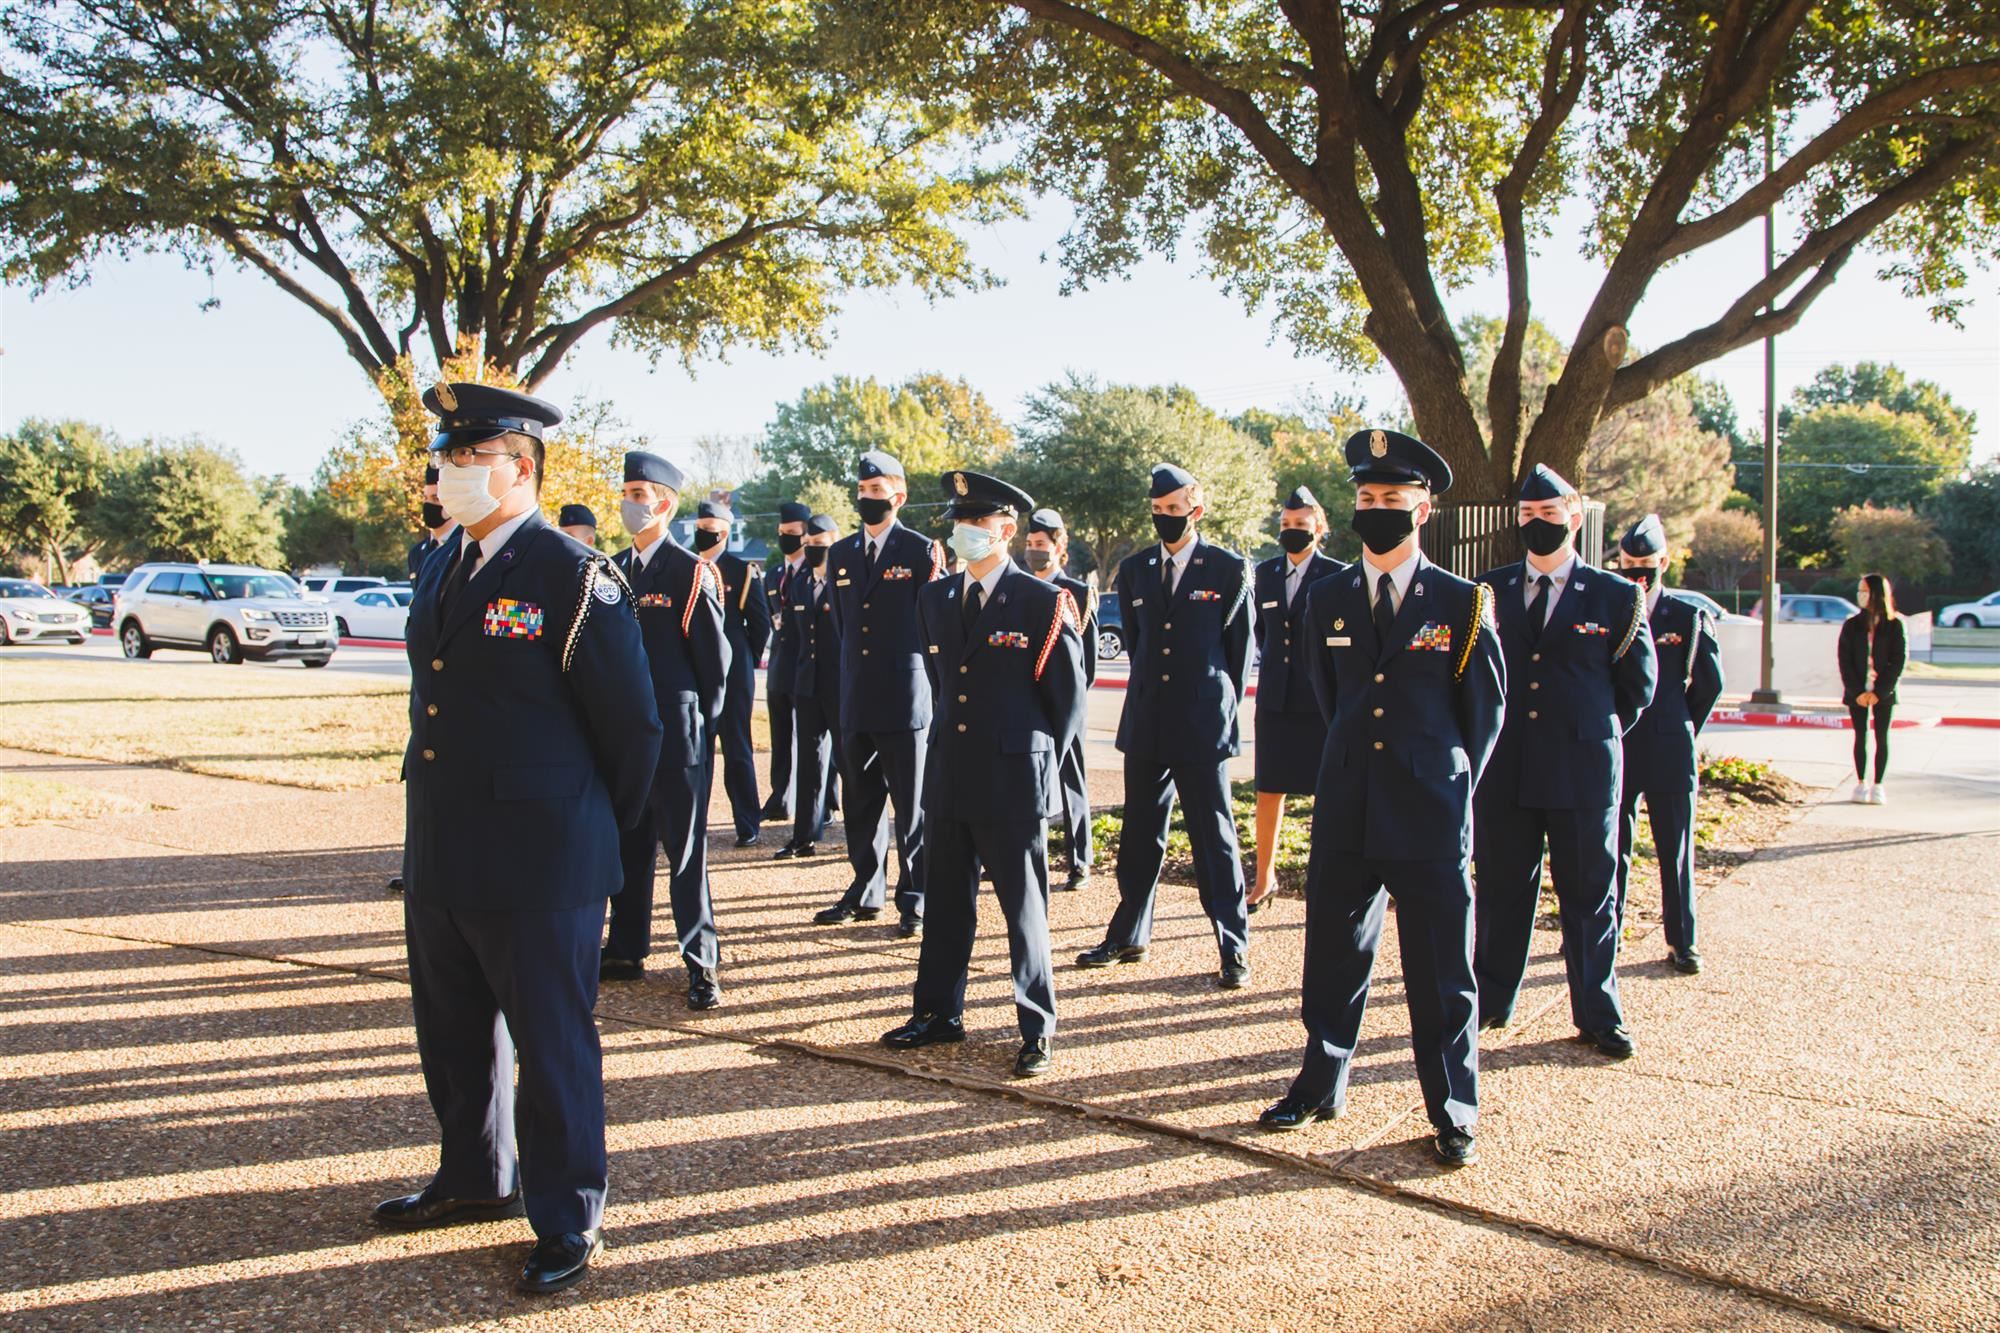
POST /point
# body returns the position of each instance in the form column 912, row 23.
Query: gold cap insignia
column 446, row 398
column 1378, row 444
column 958, row 483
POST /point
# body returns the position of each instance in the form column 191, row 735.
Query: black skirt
column 1288, row 749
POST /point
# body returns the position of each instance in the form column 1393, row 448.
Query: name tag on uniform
column 1268, row 605
column 798, row 608
column 1339, row 641
column 509, row 619
column 842, row 583
column 1138, row 601
column 654, row 599
column 897, row 572
column 934, row 647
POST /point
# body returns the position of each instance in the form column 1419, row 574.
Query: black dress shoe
column 1235, row 972
column 1107, row 955
column 793, row 850
column 1614, row 1042
column 1254, row 907
column 1078, row 879
column 750, row 839
column 619, row 969
column 558, row 1262
column 1454, row 1147
column 772, row 814
column 1687, row 964
column 925, row 1030
column 415, row 1212
column 703, row 993
column 395, row 884
column 1289, row 1113
column 1495, row 1023
column 1035, row 1058
column 909, row 927
column 839, row 912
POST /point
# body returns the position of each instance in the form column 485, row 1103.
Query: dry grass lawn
column 32, row 800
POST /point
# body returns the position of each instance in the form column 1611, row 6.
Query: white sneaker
column 1861, row 793
column 1877, row 795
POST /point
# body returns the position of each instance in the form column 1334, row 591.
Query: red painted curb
column 1993, row 722
column 1736, row 717
column 372, row 643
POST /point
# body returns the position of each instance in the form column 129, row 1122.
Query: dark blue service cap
column 1646, row 537
column 1544, row 483
column 469, row 413
column 1045, row 520
column 1301, row 498
column 976, row 495
column 641, row 465
column 575, row 515
column 791, row 511
column 875, row 463
column 821, row 523
column 1393, row 458
column 1167, row 478
column 714, row 509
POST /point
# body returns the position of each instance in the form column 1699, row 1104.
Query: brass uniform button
column 430, row 754
column 961, row 698
column 961, row 671
column 1378, row 745
column 1165, row 676
column 1166, row 652
column 1532, row 715
column 1379, row 678
column 437, row 664
column 1378, row 712
column 431, row 710
column 1534, row 657
column 961, row 726
column 1534, row 684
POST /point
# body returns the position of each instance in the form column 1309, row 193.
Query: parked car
column 326, row 587
column 1110, row 628
column 29, row 613
column 1710, row 605
column 228, row 611
column 372, row 613
column 1984, row 613
column 1808, row 608
column 112, row 580
column 96, row 599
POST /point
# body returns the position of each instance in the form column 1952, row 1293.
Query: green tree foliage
column 1090, row 450
column 504, row 176
column 1897, row 542
column 1877, row 382
column 1728, row 546
column 1966, row 512
column 1351, row 165
column 52, row 474
column 187, row 501
column 1837, row 457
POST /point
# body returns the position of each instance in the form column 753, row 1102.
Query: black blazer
column 1891, row 651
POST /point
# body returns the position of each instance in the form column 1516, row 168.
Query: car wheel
column 132, row 640
column 222, row 647
column 1110, row 644
column 315, row 661
column 1966, row 622
column 340, row 627
column 76, row 640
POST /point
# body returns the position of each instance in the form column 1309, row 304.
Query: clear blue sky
column 135, row 351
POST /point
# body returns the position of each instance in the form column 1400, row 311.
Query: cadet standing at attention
column 438, row 526
column 885, row 701
column 1187, row 615
column 533, row 740
column 1580, row 669
column 577, row 521
column 1660, row 759
column 1290, row 731
column 778, row 585
column 1006, row 665
column 746, row 621
column 1047, row 555
column 1407, row 668
column 814, row 689
column 680, row 615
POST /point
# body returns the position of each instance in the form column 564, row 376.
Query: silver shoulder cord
column 592, row 570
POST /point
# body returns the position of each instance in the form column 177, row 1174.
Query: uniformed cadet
column 1290, row 732
column 778, row 586
column 534, row 735
column 1187, row 614
column 1407, row 669
column 1047, row 555
column 1005, row 660
column 1660, row 761
column 1580, row 668
column 680, row 616
column 746, row 620
column 577, row 521
column 438, row 526
column 885, row 700
column 814, row 689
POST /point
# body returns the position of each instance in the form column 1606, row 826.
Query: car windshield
column 234, row 587
column 21, row 588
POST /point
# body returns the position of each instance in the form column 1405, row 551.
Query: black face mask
column 815, row 556
column 873, row 510
column 705, row 540
column 1039, row 560
column 1643, row 575
column 1297, row 540
column 434, row 515
column 790, row 542
column 1383, row 530
column 1543, row 537
column 1171, row 527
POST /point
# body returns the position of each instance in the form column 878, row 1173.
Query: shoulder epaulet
column 603, row 582
column 1482, row 609
column 1638, row 619
column 1065, row 610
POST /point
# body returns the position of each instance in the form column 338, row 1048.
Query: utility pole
column 1765, row 696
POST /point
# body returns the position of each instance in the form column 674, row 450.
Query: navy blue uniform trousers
column 1017, row 859
column 1582, row 846
column 676, row 820
column 1142, row 849
column 732, row 733
column 1671, row 814
column 816, row 725
column 1344, row 912
column 485, row 984
column 781, row 704
column 878, row 768
column 1076, row 806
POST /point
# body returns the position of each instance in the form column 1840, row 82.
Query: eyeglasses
column 463, row 454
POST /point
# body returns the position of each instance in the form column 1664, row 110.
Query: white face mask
column 465, row 493
column 973, row 543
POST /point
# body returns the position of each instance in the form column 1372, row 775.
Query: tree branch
column 239, row 245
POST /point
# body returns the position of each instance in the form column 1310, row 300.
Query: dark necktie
column 871, row 553
column 461, row 574
column 974, row 599
column 1385, row 608
column 1167, row 576
column 1538, row 608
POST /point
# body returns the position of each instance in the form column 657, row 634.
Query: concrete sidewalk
column 207, row 1076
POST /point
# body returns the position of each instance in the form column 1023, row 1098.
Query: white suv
column 228, row 611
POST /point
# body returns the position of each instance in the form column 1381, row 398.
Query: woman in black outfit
column 1872, row 652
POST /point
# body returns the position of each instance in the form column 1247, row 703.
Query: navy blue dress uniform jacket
column 1010, row 699
column 816, row 656
column 1190, row 656
column 746, row 612
column 1411, row 725
column 424, row 549
column 1290, row 731
column 883, row 687
column 1085, row 599
column 783, row 641
column 1576, row 690
column 1660, row 748
column 534, row 731
column 687, row 650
